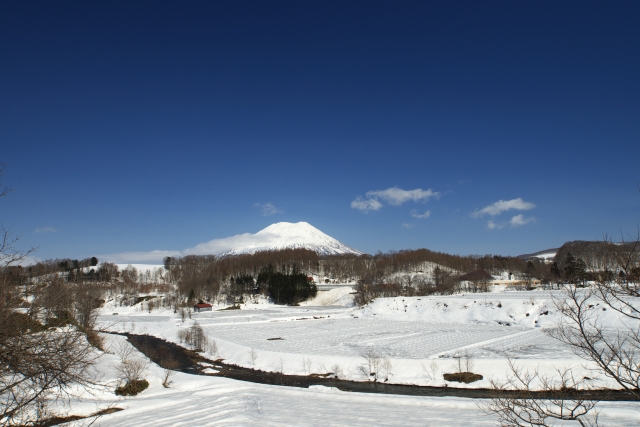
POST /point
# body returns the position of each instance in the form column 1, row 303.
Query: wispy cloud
column 393, row 196
column 492, row 225
column 519, row 220
column 268, row 209
column 366, row 205
column 516, row 221
column 218, row 246
column 407, row 225
column 415, row 214
column 44, row 230
column 212, row 247
column 503, row 205
column 397, row 196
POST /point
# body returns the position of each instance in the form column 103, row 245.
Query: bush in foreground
column 132, row 388
column 463, row 377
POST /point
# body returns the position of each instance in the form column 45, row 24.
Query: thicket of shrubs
column 132, row 388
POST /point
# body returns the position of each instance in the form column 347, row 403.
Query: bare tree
column 132, row 369
column 253, row 355
column 337, row 370
column 463, row 362
column 281, row 370
column 565, row 402
column 170, row 365
column 386, row 368
column 194, row 335
column 122, row 349
column 431, row 370
column 306, row 365
column 212, row 346
column 370, row 369
column 38, row 362
column 36, row 366
column 614, row 351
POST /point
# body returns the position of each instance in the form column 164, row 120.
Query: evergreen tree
column 569, row 269
column 580, row 271
column 285, row 288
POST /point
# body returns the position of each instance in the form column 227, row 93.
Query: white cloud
column 212, row 247
column 503, row 205
column 394, row 196
column 268, row 209
column 218, row 246
column 366, row 205
column 397, row 196
column 407, row 225
column 516, row 221
column 43, row 230
column 492, row 225
column 519, row 220
column 415, row 214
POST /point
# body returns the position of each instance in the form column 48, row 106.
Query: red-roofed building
column 202, row 306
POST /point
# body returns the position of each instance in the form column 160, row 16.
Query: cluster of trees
column 597, row 256
column 209, row 277
column 239, row 286
column 286, row 288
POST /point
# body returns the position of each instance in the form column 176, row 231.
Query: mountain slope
column 287, row 235
column 546, row 254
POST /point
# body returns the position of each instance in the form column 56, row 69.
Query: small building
column 202, row 306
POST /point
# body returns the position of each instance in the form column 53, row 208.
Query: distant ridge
column 546, row 254
column 287, row 235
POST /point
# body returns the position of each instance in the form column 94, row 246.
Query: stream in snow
column 190, row 362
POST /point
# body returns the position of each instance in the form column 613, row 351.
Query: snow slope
column 547, row 255
column 287, row 235
column 339, row 296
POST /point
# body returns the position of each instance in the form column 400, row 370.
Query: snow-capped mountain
column 287, row 235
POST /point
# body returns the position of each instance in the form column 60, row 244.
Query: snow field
column 212, row 401
column 419, row 335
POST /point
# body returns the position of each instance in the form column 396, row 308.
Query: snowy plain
column 419, row 335
column 213, row 401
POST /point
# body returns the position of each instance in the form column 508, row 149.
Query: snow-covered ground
column 419, row 335
column 212, row 401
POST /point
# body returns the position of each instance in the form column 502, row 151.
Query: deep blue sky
column 136, row 126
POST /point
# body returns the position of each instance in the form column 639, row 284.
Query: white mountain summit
column 287, row 235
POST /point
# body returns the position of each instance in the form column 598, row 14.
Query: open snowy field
column 199, row 400
column 419, row 335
